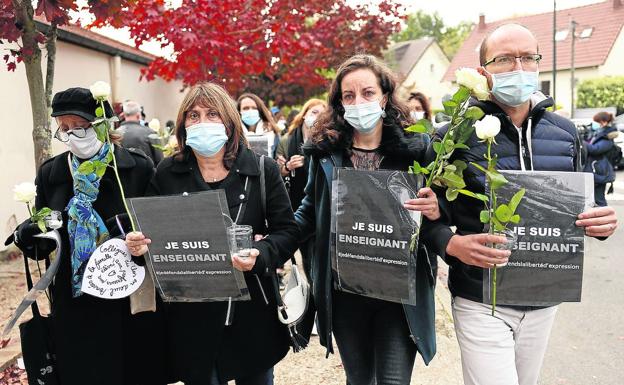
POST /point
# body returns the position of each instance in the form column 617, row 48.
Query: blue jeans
column 262, row 378
column 599, row 194
column 373, row 339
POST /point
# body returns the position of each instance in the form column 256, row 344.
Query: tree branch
column 51, row 51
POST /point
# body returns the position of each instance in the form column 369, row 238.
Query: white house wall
column 422, row 78
column 75, row 66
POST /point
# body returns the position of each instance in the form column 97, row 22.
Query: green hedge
column 607, row 91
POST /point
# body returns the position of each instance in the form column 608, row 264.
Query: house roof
column 92, row 40
column 403, row 56
column 606, row 19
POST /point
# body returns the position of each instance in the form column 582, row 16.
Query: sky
column 451, row 11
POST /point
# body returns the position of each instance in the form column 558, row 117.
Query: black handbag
column 37, row 344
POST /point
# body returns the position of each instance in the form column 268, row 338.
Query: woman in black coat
column 363, row 129
column 213, row 155
column 96, row 341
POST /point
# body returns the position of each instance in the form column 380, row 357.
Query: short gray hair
column 131, row 108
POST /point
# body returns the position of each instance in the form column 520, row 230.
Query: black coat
column 98, row 341
column 137, row 136
column 197, row 334
column 549, row 143
column 314, row 219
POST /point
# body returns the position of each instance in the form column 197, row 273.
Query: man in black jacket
column 136, row 135
column 507, row 348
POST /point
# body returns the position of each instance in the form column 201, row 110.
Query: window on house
column 587, row 32
column 561, row 35
column 545, row 87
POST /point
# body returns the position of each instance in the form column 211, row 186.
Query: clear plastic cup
column 240, row 240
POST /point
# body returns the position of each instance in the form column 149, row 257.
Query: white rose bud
column 24, row 192
column 487, row 128
column 154, row 124
column 473, row 80
column 100, row 90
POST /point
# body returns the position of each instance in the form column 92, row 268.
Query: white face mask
column 417, row 115
column 84, row 148
column 309, row 120
column 364, row 116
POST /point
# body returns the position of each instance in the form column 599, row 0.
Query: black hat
column 77, row 101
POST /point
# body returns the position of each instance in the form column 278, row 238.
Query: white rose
column 100, row 90
column 488, row 127
column 473, row 80
column 154, row 124
column 24, row 192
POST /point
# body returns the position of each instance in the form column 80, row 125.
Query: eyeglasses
column 509, row 62
column 63, row 136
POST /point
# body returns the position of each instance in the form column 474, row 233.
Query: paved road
column 587, row 343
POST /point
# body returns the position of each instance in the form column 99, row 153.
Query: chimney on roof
column 482, row 20
column 617, row 4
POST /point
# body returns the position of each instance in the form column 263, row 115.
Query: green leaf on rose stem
column 109, row 157
column 86, row 167
column 474, row 113
column 503, row 213
column 461, row 146
column 515, row 200
column 417, row 128
column 484, row 216
column 453, row 180
column 497, row 179
column 99, row 112
column 481, row 197
column 498, row 226
column 100, row 168
column 158, row 147
column 515, row 219
column 451, row 194
column 44, row 212
column 450, row 167
column 460, row 165
column 423, row 170
column 449, row 145
column 449, row 107
column 462, row 94
column 479, row 167
column 437, row 147
column 464, row 131
column 41, row 225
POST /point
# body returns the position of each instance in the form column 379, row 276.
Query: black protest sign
column 546, row 264
column 371, row 233
column 259, row 144
column 189, row 256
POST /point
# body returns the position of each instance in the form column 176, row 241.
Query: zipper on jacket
column 521, row 148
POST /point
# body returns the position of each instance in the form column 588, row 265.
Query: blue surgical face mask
column 364, row 116
column 250, row 117
column 595, row 126
column 514, row 88
column 206, row 138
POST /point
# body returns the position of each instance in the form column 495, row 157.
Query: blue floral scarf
column 85, row 226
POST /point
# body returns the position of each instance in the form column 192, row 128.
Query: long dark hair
column 424, row 102
column 331, row 131
column 265, row 114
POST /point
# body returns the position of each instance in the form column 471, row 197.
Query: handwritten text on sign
column 111, row 273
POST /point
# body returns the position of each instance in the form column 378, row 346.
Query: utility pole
column 573, row 25
column 554, row 56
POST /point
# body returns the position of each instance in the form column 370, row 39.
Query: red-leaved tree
column 22, row 40
column 279, row 49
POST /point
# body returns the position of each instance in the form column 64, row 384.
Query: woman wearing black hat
column 97, row 341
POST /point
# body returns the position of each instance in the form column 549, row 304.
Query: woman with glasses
column 96, row 341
